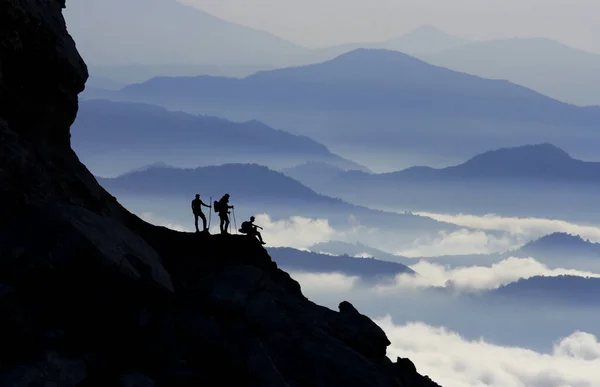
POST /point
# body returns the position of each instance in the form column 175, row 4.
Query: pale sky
column 315, row 23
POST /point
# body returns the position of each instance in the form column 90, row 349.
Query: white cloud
column 462, row 279
column 460, row 242
column 153, row 219
column 450, row 360
column 296, row 232
column 525, row 228
column 475, row 278
column 579, row 345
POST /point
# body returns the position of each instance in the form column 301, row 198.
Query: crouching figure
column 248, row 227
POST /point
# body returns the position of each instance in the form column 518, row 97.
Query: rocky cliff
column 90, row 295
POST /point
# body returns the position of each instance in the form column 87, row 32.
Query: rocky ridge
column 90, row 295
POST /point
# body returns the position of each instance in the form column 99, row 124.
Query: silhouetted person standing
column 197, row 210
column 223, row 210
column 248, row 227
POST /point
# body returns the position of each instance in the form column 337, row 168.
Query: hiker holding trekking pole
column 197, row 204
column 222, row 208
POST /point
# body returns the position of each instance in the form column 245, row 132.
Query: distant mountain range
column 257, row 189
column 115, row 137
column 532, row 180
column 422, row 40
column 572, row 290
column 546, row 66
column 563, row 250
column 365, row 268
column 357, row 250
column 171, row 39
column 383, row 107
column 159, row 32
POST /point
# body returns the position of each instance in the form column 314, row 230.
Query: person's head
column 227, row 196
column 197, row 196
column 252, row 218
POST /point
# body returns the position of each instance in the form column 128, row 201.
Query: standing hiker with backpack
column 222, row 208
column 197, row 210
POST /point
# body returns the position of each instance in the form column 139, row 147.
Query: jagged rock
column 405, row 365
column 53, row 369
column 90, row 292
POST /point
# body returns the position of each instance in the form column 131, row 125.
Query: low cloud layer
column 451, row 360
column 467, row 279
column 462, row 242
column 297, row 232
column 302, row 232
column 526, row 228
column 157, row 220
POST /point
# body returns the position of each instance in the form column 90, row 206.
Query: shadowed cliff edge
column 90, row 295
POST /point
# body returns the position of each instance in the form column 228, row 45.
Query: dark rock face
column 90, row 295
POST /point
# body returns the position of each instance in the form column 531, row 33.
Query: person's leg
column 196, row 222
column 260, row 237
column 203, row 222
column 226, row 228
column 221, row 224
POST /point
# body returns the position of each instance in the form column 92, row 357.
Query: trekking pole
column 210, row 213
column 234, row 222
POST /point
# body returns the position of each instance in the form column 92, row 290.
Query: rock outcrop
column 90, row 295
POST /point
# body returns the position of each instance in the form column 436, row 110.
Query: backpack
column 246, row 227
column 216, row 206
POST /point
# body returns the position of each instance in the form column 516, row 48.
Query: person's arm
column 204, row 204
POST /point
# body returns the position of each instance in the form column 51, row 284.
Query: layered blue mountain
column 532, row 180
column 565, row 244
column 115, row 137
column 549, row 67
column 357, row 250
column 557, row 250
column 384, row 107
column 365, row 268
column 254, row 189
column 162, row 32
column 570, row 290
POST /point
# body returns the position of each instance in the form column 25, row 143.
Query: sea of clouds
column 458, row 342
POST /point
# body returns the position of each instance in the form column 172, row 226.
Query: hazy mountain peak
column 424, row 39
column 167, row 32
column 558, row 238
column 543, row 153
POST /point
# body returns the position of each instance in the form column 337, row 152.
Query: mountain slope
column 365, row 268
column 355, row 250
column 383, row 106
column 114, row 137
column 167, row 32
column 543, row 162
column 539, row 180
column 90, row 295
column 548, row 67
column 529, row 163
column 572, row 290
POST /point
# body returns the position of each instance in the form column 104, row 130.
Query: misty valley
column 428, row 198
column 444, row 186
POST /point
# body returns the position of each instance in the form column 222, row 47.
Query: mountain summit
column 90, row 295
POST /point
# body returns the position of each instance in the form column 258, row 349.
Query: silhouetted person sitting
column 248, row 227
column 197, row 210
column 222, row 207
